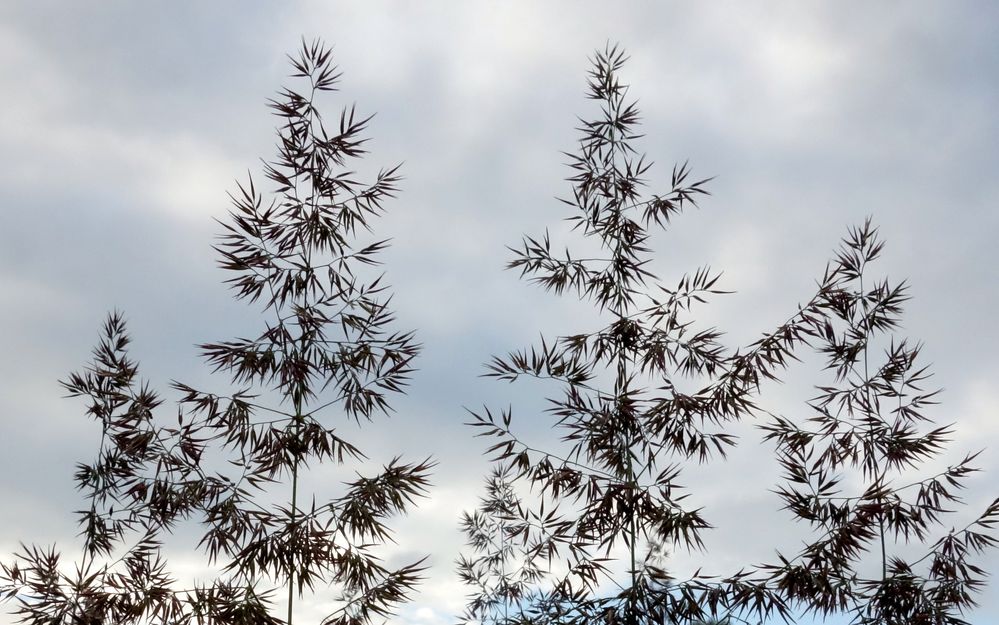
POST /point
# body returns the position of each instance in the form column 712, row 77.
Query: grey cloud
column 811, row 117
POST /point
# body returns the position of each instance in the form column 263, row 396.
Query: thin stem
column 309, row 122
column 884, row 558
column 294, row 505
column 506, row 595
column 623, row 314
column 867, row 388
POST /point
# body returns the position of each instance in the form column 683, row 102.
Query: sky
column 123, row 125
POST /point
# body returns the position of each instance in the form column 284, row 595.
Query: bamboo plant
column 582, row 535
column 326, row 356
column 856, row 469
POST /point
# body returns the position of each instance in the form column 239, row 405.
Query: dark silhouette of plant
column 494, row 572
column 870, row 436
column 557, row 537
column 627, row 425
column 326, row 350
column 122, row 576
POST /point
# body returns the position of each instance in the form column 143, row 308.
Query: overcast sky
column 123, row 124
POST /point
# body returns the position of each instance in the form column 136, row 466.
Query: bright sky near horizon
column 122, row 126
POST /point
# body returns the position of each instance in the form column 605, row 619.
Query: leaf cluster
column 627, row 424
column 852, row 469
column 327, row 346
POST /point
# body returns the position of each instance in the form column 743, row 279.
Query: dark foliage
column 853, row 469
column 628, row 429
column 327, row 349
column 575, row 534
column 559, row 535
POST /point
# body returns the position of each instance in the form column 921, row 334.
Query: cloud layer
column 123, row 125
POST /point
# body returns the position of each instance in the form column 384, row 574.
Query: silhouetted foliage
column 575, row 534
column 557, row 537
column 626, row 426
column 327, row 349
column 853, row 469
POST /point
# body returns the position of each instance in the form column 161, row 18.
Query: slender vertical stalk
column 622, row 368
column 506, row 597
column 867, row 386
column 614, row 108
column 294, row 504
column 884, row 556
column 633, row 491
column 632, row 485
